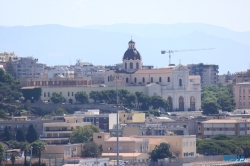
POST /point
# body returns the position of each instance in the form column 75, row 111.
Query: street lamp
column 49, row 160
column 96, row 157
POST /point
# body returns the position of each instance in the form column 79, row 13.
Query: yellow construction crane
column 173, row 51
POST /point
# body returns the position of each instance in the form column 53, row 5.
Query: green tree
column 13, row 158
column 82, row 134
column 210, row 106
column 31, row 136
column 131, row 99
column 82, row 97
column 38, row 147
column 20, row 137
column 91, row 149
column 3, row 114
column 239, row 151
column 160, row 152
column 1, row 154
column 94, row 95
column 25, row 147
column 57, row 98
column 7, row 135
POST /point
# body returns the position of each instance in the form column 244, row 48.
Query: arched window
column 137, row 65
column 125, row 65
column 127, row 80
column 135, row 80
column 159, row 79
column 181, row 103
column 192, row 103
column 152, row 80
column 143, row 80
column 170, row 102
column 180, row 82
column 108, row 78
column 168, row 79
column 131, row 65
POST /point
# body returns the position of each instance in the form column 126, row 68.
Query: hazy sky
column 232, row 14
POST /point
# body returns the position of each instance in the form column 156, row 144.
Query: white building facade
column 173, row 83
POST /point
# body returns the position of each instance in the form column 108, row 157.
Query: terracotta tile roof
column 153, row 71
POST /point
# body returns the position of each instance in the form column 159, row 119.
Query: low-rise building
column 131, row 117
column 231, row 127
column 59, row 132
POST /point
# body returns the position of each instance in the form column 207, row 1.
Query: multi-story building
column 241, row 95
column 23, row 123
column 6, row 57
column 27, row 67
column 181, row 146
column 62, row 71
column 59, row 132
column 231, row 127
column 207, row 72
column 132, row 117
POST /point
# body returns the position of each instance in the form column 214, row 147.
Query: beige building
column 241, row 94
column 181, row 146
column 62, row 151
column 172, row 83
column 131, row 117
column 231, row 127
column 59, row 132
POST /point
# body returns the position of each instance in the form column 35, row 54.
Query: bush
column 37, row 164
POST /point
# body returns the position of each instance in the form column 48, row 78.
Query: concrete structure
column 27, row 67
column 241, row 95
column 6, row 57
column 207, row 72
column 172, row 83
column 131, row 117
column 181, row 146
column 231, row 127
column 23, row 123
column 62, row 71
column 62, row 151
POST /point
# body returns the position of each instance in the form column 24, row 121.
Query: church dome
column 131, row 52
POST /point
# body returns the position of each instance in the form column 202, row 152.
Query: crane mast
column 172, row 51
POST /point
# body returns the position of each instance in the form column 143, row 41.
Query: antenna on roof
column 131, row 37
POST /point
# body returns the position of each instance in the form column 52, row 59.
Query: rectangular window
column 48, row 94
column 68, row 94
column 99, row 136
column 72, row 94
column 44, row 94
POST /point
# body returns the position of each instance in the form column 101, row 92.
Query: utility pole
column 117, row 124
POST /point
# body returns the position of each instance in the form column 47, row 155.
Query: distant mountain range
column 105, row 45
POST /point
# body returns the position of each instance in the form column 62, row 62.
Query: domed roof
column 131, row 42
column 132, row 54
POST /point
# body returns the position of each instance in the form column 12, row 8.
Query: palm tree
column 25, row 146
column 38, row 147
column 13, row 158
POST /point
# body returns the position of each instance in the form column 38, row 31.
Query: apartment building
column 59, row 132
column 132, row 117
column 62, row 71
column 231, row 127
column 23, row 123
column 28, row 67
column 207, row 72
column 241, row 95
